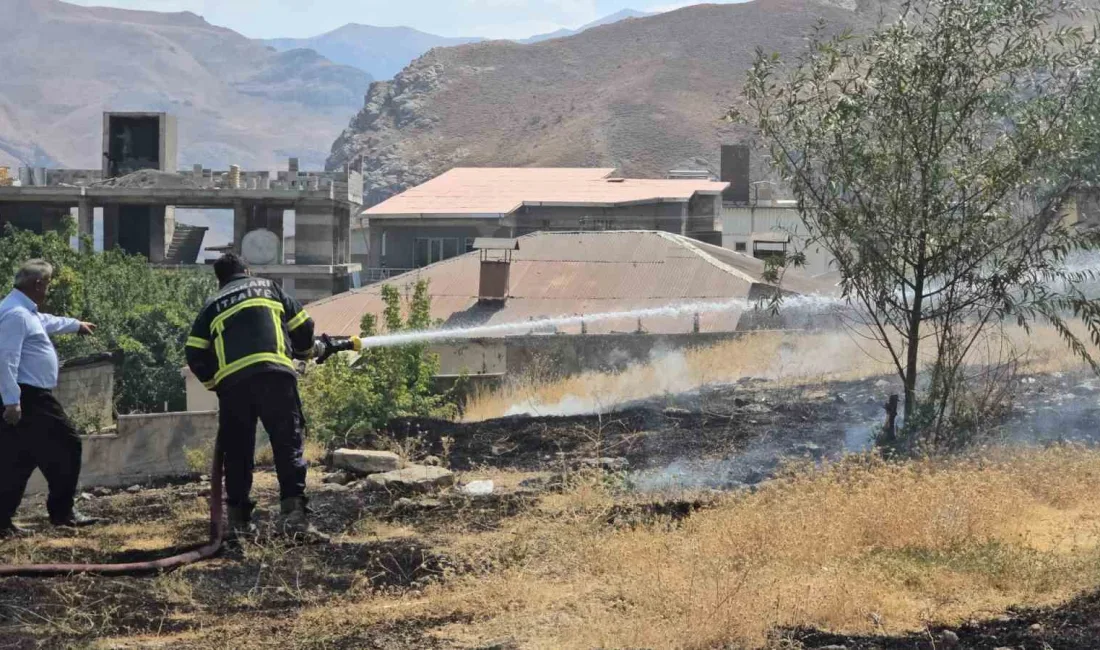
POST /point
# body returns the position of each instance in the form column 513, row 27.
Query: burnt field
column 728, row 517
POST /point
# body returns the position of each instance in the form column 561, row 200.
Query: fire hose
column 323, row 348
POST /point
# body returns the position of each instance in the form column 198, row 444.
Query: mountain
column 236, row 100
column 380, row 51
column 606, row 20
column 643, row 95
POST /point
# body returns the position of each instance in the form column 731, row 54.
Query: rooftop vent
column 496, row 265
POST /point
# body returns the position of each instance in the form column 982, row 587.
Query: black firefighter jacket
column 249, row 327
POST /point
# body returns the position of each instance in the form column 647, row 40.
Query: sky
column 484, row 18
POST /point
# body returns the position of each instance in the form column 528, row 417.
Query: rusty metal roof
column 560, row 274
column 497, row 191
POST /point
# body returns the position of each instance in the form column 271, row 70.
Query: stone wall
column 87, row 391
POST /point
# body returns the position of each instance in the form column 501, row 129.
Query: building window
column 429, row 250
column 469, row 244
column 740, row 247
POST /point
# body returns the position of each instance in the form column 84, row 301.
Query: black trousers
column 43, row 439
column 271, row 397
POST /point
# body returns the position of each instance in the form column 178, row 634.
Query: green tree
column 935, row 159
column 144, row 312
column 347, row 402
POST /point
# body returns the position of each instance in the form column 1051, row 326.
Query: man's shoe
column 11, row 531
column 76, row 520
column 240, row 522
column 296, row 524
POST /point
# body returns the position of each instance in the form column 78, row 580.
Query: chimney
column 735, row 171
column 496, row 266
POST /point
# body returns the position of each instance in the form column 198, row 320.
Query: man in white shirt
column 34, row 430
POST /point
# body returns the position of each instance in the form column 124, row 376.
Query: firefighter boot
column 240, row 523
column 296, row 524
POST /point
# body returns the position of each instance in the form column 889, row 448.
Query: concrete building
column 757, row 223
column 441, row 219
column 138, row 188
column 555, row 274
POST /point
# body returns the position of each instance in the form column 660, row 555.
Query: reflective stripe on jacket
column 250, row 326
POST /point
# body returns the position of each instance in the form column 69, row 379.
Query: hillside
column 645, row 95
column 380, row 51
column 237, row 101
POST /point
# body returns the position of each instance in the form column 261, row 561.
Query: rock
column 756, row 408
column 672, row 411
column 134, row 489
column 477, row 488
column 337, row 478
column 414, row 478
column 606, row 464
column 86, row 496
column 102, row 491
column 832, row 647
column 1036, row 627
column 366, row 461
column 949, row 639
column 335, row 487
column 432, row 461
column 807, row 449
column 882, row 383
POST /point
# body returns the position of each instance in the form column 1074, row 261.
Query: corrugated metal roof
column 494, row 191
column 562, row 274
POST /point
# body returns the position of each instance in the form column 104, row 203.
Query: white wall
column 741, row 224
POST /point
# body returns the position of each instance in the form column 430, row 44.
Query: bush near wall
column 145, row 312
column 348, row 403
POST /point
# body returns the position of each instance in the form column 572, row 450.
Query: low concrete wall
column 145, row 448
column 564, row 355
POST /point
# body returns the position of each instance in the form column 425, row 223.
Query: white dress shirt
column 27, row 355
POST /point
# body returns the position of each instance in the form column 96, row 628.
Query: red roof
column 497, row 191
column 562, row 274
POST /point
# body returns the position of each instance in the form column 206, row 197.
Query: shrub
column 349, row 402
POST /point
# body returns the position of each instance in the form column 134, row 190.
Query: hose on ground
column 207, row 550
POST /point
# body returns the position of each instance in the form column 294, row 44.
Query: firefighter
column 241, row 347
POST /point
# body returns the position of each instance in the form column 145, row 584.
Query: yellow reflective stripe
column 196, row 342
column 219, row 348
column 251, row 360
column 298, row 320
column 209, row 385
column 251, row 302
column 278, row 321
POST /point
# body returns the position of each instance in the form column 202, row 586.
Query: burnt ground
column 719, row 438
column 1072, row 626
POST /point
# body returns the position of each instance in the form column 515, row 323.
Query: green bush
column 348, row 404
column 144, row 312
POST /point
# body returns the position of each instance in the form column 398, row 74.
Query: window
column 429, row 250
column 469, row 244
column 740, row 246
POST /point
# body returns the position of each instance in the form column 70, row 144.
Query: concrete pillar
column 85, row 224
column 315, row 235
column 684, row 218
column 158, row 228
column 110, row 226
column 240, row 223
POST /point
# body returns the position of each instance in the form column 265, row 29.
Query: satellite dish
column 260, row 247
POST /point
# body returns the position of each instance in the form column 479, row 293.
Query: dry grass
column 859, row 547
column 782, row 358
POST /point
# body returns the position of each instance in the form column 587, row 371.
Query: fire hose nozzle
column 325, row 346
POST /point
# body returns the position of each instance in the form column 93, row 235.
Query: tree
column 347, row 402
column 144, row 312
column 936, row 159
